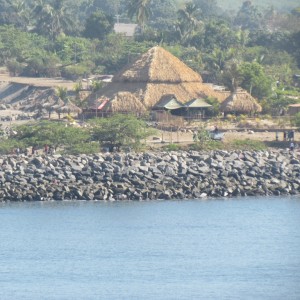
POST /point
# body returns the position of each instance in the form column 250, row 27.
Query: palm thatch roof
column 197, row 103
column 240, row 102
column 123, row 102
column 69, row 107
column 155, row 74
column 168, row 102
column 157, row 65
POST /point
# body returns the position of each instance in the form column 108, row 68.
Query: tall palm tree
column 188, row 20
column 139, row 9
column 53, row 18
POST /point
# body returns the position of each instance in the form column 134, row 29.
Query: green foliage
column 214, row 110
column 74, row 49
column 201, row 137
column 139, row 9
column 42, row 66
column 77, row 71
column 120, row 130
column 51, row 133
column 254, row 79
column 296, row 120
column 172, row 147
column 62, row 93
column 7, row 145
column 14, row 67
column 98, row 25
column 20, row 46
column 249, row 16
column 248, row 145
column 82, row 148
column 97, row 86
column 53, row 18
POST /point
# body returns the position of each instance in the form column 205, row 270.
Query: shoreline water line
column 149, row 176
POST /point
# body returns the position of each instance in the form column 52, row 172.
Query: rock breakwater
column 142, row 176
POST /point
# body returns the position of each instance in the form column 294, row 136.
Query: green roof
column 197, row 103
column 168, row 102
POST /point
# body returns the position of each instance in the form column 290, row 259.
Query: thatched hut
column 122, row 102
column 68, row 108
column 240, row 102
column 155, row 74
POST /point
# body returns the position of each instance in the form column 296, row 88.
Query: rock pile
column 141, row 176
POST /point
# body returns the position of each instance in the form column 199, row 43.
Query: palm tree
column 53, row 18
column 140, row 9
column 21, row 9
column 188, row 20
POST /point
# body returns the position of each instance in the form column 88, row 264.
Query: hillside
column 286, row 5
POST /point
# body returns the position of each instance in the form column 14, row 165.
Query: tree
column 140, row 10
column 296, row 120
column 208, row 8
column 188, row 20
column 248, row 17
column 120, row 130
column 232, row 77
column 98, row 25
column 254, row 79
column 53, row 18
column 10, row 15
column 43, row 65
column 163, row 14
column 51, row 133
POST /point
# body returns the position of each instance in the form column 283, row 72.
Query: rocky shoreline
column 147, row 176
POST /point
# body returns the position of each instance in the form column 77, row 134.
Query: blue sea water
column 244, row 248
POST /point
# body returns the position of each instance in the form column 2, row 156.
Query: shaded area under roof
column 168, row 102
column 197, row 103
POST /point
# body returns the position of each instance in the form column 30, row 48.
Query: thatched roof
column 155, row 74
column 168, row 102
column 157, row 65
column 240, row 102
column 197, row 103
column 69, row 107
column 150, row 94
column 124, row 102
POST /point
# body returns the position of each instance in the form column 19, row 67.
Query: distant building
column 127, row 29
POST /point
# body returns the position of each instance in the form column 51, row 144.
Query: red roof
column 102, row 104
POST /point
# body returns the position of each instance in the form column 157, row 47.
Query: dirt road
column 39, row 82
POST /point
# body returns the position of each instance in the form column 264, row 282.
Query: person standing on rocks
column 292, row 146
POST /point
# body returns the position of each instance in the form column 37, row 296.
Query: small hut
column 68, row 108
column 122, row 102
column 240, row 102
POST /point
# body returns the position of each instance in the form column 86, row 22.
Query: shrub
column 7, row 145
column 172, row 147
column 82, row 148
column 247, row 145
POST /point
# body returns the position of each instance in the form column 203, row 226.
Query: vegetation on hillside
column 255, row 47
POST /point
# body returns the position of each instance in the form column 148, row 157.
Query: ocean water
column 244, row 248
